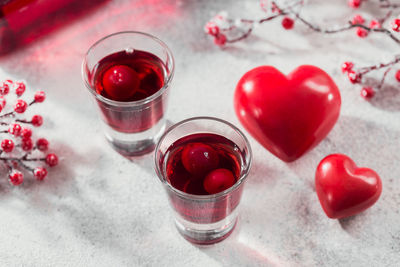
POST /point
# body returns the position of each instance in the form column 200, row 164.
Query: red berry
column 7, row 145
column 218, row 180
column 4, row 88
column 40, row 173
column 354, row 77
column 374, row 24
column 20, row 106
column 358, row 19
column 15, row 129
column 52, row 160
column 220, row 39
column 396, row 25
column 347, row 66
column 37, row 120
column 287, row 23
column 40, row 96
column 42, row 144
column 367, row 92
column 26, row 133
column 20, row 89
column 16, row 177
column 354, row 3
column 199, row 159
column 26, row 144
column 211, row 28
column 361, row 32
column 3, row 102
column 398, row 75
column 121, row 82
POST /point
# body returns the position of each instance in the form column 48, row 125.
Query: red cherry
column 121, row 82
column 20, row 106
column 218, row 180
column 198, row 158
column 37, row 120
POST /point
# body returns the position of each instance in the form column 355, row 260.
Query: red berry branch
column 18, row 150
column 225, row 30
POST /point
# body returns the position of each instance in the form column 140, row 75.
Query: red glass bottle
column 23, row 21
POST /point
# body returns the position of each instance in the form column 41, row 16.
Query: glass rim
column 243, row 174
column 137, row 102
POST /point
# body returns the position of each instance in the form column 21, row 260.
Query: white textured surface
column 100, row 209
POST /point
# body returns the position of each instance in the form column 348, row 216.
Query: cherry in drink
column 203, row 163
column 129, row 75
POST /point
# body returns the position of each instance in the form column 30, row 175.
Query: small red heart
column 344, row 189
column 290, row 114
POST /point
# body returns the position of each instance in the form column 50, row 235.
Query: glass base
column 134, row 144
column 206, row 234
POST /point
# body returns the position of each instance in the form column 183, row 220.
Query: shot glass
column 209, row 218
column 132, row 127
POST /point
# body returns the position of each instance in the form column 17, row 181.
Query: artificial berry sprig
column 355, row 76
column 225, row 30
column 18, row 151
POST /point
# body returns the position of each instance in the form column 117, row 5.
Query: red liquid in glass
column 211, row 210
column 151, row 73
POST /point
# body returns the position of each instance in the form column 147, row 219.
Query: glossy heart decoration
column 290, row 114
column 344, row 189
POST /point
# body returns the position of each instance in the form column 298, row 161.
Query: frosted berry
column 15, row 129
column 20, row 106
column 42, row 144
column 211, row 28
column 396, row 25
column 354, row 3
column 121, row 82
column 367, row 92
column 374, row 24
column 199, row 158
column 218, row 180
column 27, row 144
column 398, row 75
column 37, row 120
column 354, row 77
column 16, row 177
column 4, row 88
column 347, row 66
column 40, row 173
column 40, row 96
column 361, row 32
column 26, row 133
column 7, row 145
column 287, row 23
column 3, row 102
column 52, row 160
column 20, row 89
column 358, row 19
column 220, row 39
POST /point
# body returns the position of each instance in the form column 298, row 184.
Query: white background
column 99, row 209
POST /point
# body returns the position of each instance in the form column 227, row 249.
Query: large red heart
column 344, row 189
column 287, row 115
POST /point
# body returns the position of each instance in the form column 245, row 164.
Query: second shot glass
column 200, row 217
